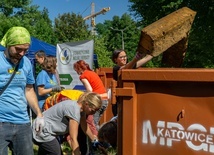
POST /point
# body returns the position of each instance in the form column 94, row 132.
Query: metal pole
column 122, row 40
column 123, row 46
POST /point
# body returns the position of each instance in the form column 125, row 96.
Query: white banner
column 67, row 55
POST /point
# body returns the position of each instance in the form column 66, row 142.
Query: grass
column 67, row 150
column 35, row 149
column 110, row 151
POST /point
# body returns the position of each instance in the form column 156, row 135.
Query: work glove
column 39, row 124
column 56, row 88
column 95, row 144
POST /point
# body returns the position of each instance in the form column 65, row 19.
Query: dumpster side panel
column 106, row 75
column 165, row 116
column 127, row 121
column 170, row 117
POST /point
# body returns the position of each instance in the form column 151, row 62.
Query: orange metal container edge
column 166, row 112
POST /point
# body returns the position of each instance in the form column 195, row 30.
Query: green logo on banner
column 65, row 79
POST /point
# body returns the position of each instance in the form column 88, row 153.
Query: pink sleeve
column 90, row 122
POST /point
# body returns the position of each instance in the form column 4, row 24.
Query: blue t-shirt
column 13, row 101
column 48, row 80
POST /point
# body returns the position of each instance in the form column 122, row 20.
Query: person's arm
column 91, row 124
column 85, row 127
column 87, row 85
column 73, row 132
column 41, row 81
column 42, row 91
column 144, row 60
column 32, row 100
column 138, row 60
column 132, row 63
column 57, row 76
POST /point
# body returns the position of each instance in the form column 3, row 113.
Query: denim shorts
column 99, row 113
column 18, row 137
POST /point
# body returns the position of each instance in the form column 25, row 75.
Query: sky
column 83, row 7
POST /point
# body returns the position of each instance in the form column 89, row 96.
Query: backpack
column 65, row 94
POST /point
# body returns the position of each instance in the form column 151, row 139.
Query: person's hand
column 56, row 88
column 68, row 137
column 96, row 144
column 39, row 125
column 139, row 55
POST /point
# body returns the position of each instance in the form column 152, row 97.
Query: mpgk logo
column 169, row 133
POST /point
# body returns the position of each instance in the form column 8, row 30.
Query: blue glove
column 95, row 144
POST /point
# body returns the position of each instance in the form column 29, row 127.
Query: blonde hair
column 93, row 99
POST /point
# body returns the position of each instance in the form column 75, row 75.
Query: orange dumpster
column 166, row 111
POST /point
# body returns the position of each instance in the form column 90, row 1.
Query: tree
column 8, row 7
column 70, row 27
column 103, row 55
column 22, row 14
column 37, row 22
column 201, row 42
column 120, row 28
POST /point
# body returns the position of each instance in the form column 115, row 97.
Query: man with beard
column 15, row 127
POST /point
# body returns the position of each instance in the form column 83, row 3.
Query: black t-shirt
column 115, row 71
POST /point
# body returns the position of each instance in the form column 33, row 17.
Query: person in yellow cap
column 17, row 94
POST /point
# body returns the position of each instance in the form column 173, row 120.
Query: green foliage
column 35, row 150
column 70, row 27
column 104, row 57
column 66, row 149
column 38, row 23
column 6, row 23
column 120, row 30
column 8, row 7
column 38, row 69
column 109, row 151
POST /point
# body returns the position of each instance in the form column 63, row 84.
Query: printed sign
column 67, row 55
